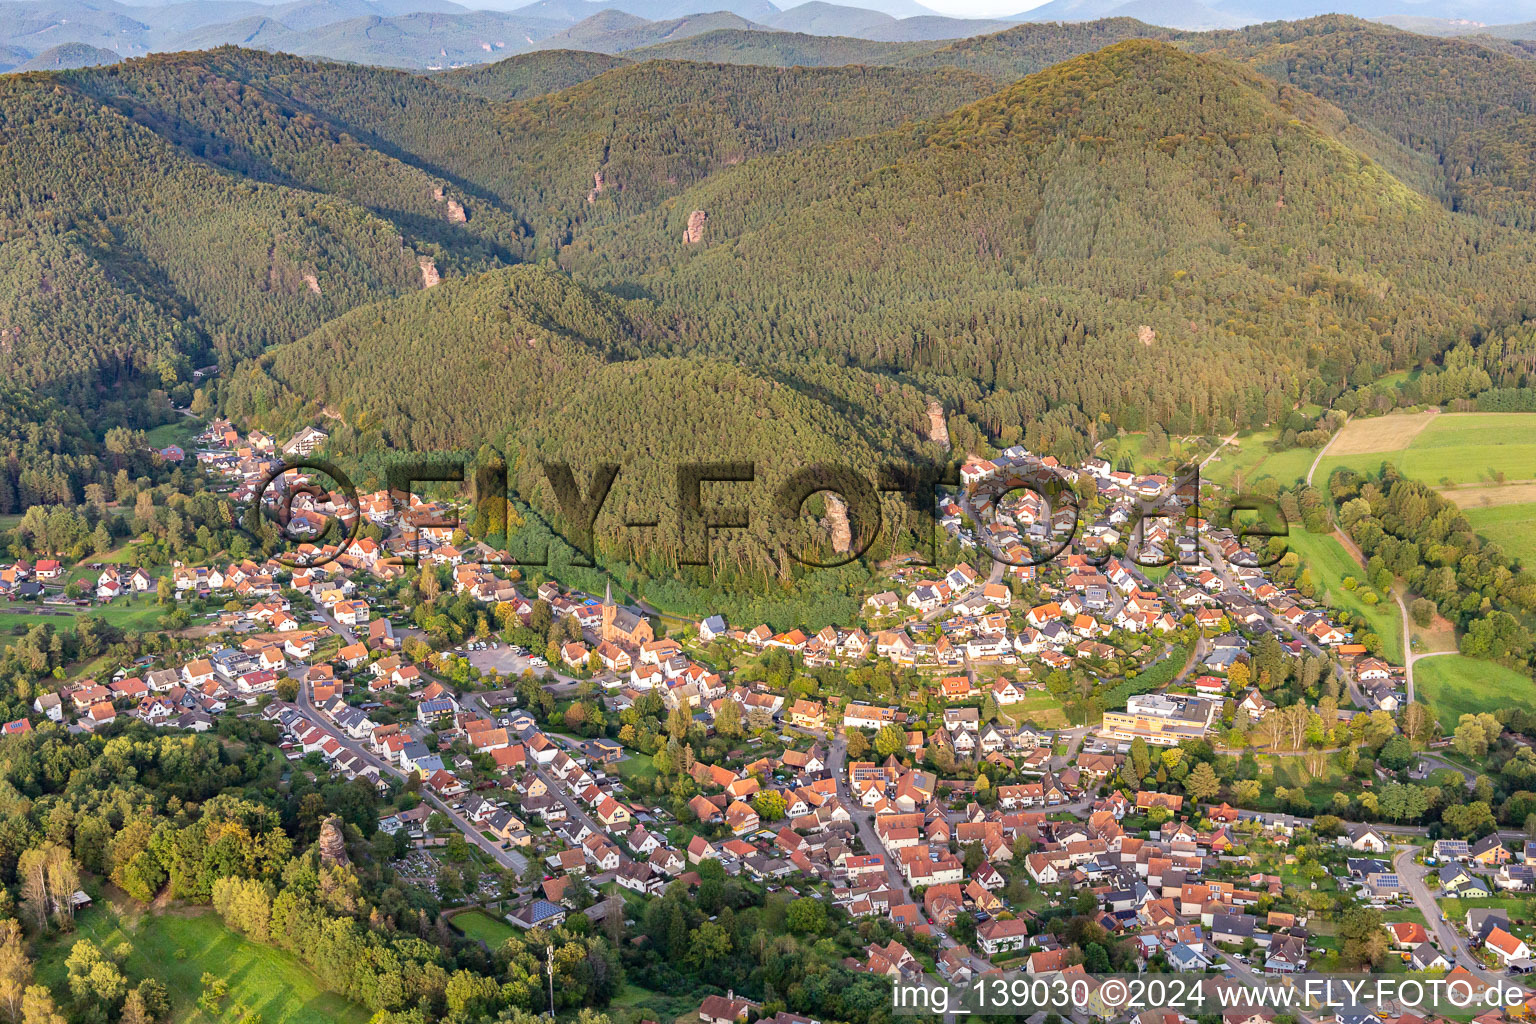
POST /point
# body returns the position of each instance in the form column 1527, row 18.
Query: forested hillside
column 1196, row 230
column 547, row 370
column 301, row 190
column 1466, row 108
column 532, row 74
column 1025, row 49
column 779, row 49
column 1039, row 231
column 99, row 279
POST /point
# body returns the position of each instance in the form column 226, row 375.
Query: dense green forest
column 1023, row 241
column 549, row 371
column 532, row 74
column 766, row 263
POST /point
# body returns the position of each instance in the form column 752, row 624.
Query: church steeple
column 608, row 595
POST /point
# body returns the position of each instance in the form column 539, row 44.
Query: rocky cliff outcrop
column 430, row 278
column 455, row 211
column 837, row 524
column 938, row 429
column 333, row 846
column 695, row 232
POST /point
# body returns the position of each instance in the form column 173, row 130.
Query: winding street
column 1409, row 654
column 862, row 819
column 1451, row 942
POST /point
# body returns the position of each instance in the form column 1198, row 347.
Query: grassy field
column 636, row 766
column 1254, row 460
column 1134, row 447
column 1450, row 449
column 177, row 948
column 1292, row 772
column 656, row 1005
column 1455, row 685
column 139, row 612
column 477, row 924
column 1330, row 564
column 1512, row 527
column 1040, row 708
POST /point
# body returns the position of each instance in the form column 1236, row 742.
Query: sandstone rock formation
column 1145, row 335
column 837, row 524
column 938, row 429
column 333, row 846
column 456, row 213
column 429, row 275
column 695, row 233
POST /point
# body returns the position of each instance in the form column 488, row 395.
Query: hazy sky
column 979, row 8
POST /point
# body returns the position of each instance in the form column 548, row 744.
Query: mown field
column 1039, row 708
column 139, row 612
column 1444, row 450
column 1512, row 527
column 1485, row 462
column 477, row 924
column 1253, row 460
column 1455, row 685
column 178, row 947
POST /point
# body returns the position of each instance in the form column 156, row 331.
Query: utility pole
column 549, row 969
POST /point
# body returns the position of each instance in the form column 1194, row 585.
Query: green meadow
column 1456, row 449
column 1330, row 564
column 178, row 947
column 1455, row 685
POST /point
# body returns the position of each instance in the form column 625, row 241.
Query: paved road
column 1217, row 450
column 509, row 859
column 1410, row 656
column 1451, row 942
column 573, row 807
column 862, row 819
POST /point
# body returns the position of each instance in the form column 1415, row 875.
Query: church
column 620, row 625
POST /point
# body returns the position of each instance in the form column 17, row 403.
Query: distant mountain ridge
column 70, row 55
column 427, row 35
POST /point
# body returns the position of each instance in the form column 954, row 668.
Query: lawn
column 1330, row 564
column 1455, row 685
column 635, row 765
column 1040, row 708
column 177, row 948
column 1456, row 909
column 477, row 924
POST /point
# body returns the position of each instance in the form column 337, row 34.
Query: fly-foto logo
column 314, row 504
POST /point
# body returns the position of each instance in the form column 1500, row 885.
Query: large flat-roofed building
column 1161, row 719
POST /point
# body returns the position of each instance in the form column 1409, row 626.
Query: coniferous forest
column 1108, row 242
column 1055, row 231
